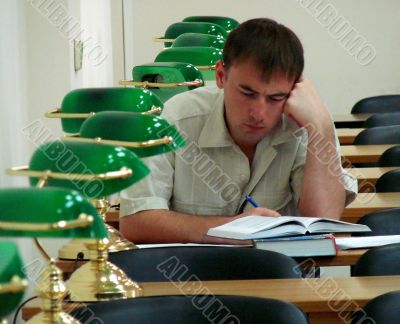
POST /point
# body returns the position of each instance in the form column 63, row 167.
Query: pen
column 252, row 201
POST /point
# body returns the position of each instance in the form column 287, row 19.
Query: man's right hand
column 259, row 211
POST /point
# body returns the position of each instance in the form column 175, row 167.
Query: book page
column 345, row 243
column 253, row 224
column 167, row 245
column 309, row 222
column 324, row 226
column 280, row 231
column 250, row 227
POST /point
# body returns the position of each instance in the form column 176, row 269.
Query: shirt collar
column 214, row 132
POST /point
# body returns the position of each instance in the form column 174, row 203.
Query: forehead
column 247, row 74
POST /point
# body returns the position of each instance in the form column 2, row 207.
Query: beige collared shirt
column 211, row 175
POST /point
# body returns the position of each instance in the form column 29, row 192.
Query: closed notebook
column 256, row 227
column 300, row 246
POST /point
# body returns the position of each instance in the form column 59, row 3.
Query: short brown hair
column 273, row 47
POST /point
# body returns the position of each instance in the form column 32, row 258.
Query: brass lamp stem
column 52, row 291
column 42, row 181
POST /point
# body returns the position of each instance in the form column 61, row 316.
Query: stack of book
column 290, row 235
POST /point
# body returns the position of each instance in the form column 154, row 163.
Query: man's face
column 253, row 107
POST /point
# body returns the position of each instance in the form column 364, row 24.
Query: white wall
column 337, row 75
column 101, row 32
column 36, row 66
column 50, row 70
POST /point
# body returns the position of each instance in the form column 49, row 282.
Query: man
column 247, row 136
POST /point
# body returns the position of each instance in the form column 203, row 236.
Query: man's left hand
column 306, row 107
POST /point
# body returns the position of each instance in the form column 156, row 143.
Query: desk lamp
column 12, row 279
column 198, row 40
column 165, row 79
column 204, row 58
column 54, row 213
column 226, row 23
column 80, row 104
column 96, row 171
column 144, row 135
column 176, row 29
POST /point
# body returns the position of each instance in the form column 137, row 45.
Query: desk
column 363, row 204
column 112, row 217
column 369, row 202
column 347, row 135
column 363, row 153
column 350, row 120
column 321, row 298
column 370, row 175
column 343, row 258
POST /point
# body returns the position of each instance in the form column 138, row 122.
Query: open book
column 257, row 227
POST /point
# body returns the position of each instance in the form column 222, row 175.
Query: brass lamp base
column 76, row 249
column 51, row 318
column 117, row 241
column 100, row 280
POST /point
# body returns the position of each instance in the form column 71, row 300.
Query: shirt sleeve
column 155, row 190
column 152, row 192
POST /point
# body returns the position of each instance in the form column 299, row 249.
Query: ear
column 219, row 74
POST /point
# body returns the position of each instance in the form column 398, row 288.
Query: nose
column 258, row 111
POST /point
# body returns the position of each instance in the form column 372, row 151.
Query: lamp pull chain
column 41, row 249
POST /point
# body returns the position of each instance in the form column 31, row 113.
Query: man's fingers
column 263, row 212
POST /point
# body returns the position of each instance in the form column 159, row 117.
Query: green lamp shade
column 176, row 29
column 88, row 159
column 48, row 205
column 225, row 22
column 167, row 72
column 10, row 266
column 133, row 128
column 202, row 40
column 202, row 57
column 91, row 100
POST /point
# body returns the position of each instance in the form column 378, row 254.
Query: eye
column 277, row 98
column 247, row 93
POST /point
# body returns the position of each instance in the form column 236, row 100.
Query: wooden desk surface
column 369, row 202
column 302, row 292
column 343, row 258
column 112, row 216
column 347, row 135
column 322, row 298
column 363, row 153
column 339, row 118
column 369, row 174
